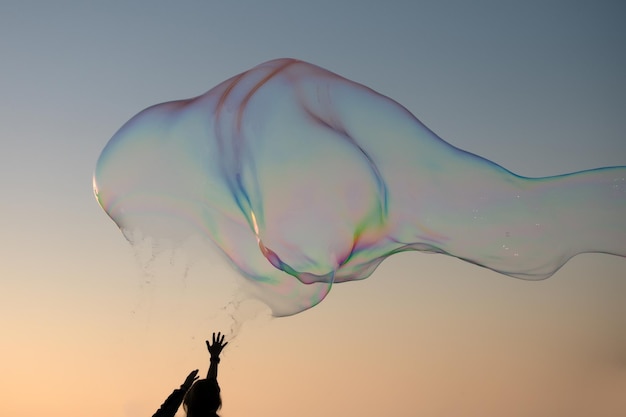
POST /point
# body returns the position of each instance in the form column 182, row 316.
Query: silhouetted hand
column 216, row 347
column 191, row 378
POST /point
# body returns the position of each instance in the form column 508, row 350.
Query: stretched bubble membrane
column 302, row 179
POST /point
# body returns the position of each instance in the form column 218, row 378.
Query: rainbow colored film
column 302, row 179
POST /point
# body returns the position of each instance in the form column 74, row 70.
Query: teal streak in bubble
column 302, row 179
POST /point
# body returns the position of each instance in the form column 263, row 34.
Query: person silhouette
column 200, row 397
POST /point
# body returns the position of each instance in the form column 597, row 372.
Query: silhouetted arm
column 171, row 404
column 215, row 349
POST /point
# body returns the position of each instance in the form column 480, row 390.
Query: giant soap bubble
column 303, row 179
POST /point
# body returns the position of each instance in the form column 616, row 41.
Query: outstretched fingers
column 217, row 343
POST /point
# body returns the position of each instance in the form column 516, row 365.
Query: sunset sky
column 93, row 327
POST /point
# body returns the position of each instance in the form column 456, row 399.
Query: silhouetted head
column 203, row 399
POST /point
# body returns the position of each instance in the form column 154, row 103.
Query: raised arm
column 171, row 404
column 215, row 349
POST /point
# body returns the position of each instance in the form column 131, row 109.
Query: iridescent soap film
column 302, row 179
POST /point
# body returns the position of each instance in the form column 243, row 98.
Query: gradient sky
column 89, row 329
